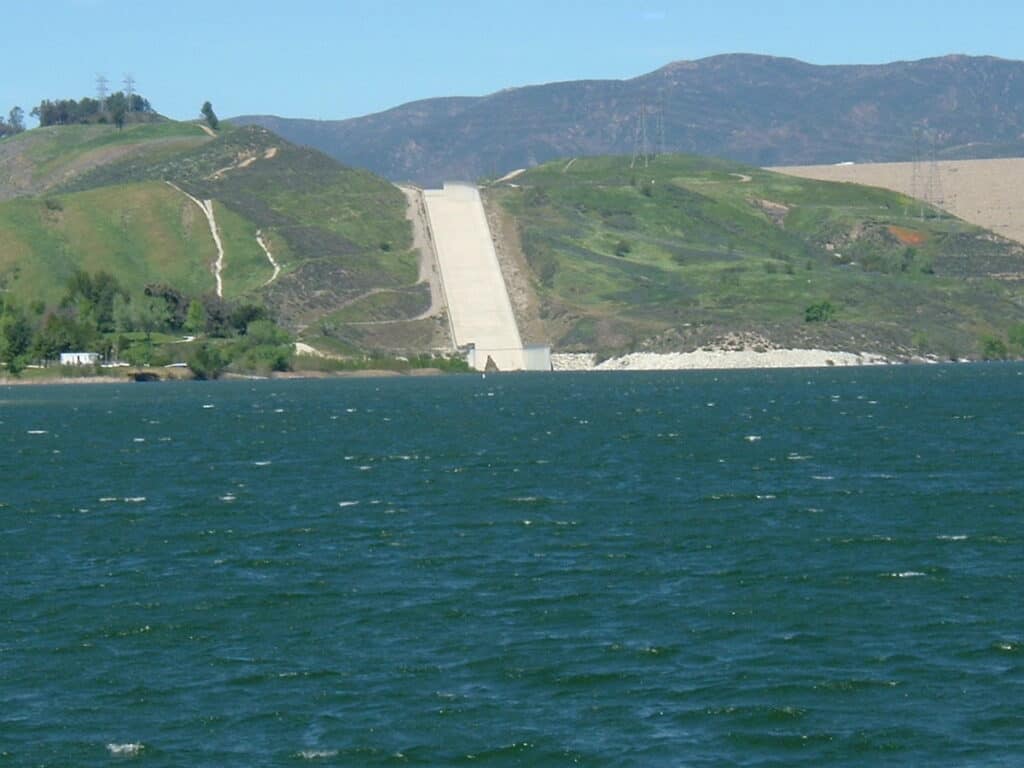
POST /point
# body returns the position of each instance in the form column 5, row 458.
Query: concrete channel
column 478, row 303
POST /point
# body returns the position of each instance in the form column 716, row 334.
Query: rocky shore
column 716, row 360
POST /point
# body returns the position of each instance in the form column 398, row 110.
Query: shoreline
column 564, row 362
column 7, row 381
column 718, row 359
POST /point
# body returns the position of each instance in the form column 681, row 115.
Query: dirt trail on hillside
column 206, row 206
column 989, row 193
column 511, row 175
column 277, row 267
column 243, row 160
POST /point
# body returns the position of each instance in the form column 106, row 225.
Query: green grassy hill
column 91, row 197
column 36, row 161
column 688, row 250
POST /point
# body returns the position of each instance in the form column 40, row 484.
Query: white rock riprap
column 572, row 361
column 717, row 360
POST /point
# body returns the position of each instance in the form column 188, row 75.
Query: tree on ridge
column 211, row 118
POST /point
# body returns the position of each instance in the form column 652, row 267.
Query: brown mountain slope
column 989, row 193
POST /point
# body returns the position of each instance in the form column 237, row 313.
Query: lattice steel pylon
column 640, row 147
column 916, row 188
column 102, row 91
column 129, row 89
column 933, row 189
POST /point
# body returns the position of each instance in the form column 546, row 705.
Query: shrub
column 1016, row 336
column 206, row 362
column 994, row 348
column 623, row 249
column 821, row 312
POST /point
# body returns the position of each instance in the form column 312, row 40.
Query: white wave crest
column 131, row 749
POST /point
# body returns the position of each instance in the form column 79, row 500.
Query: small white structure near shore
column 79, row 358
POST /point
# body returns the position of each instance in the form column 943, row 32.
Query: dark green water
column 796, row 568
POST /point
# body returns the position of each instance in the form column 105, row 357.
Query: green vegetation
column 141, row 232
column 339, row 232
column 35, row 162
column 88, row 197
column 821, row 312
column 381, row 362
column 687, row 250
column 97, row 313
column 15, row 122
column 87, row 110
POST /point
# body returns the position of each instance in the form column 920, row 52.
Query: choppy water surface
column 701, row 569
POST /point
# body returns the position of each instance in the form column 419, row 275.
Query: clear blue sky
column 333, row 59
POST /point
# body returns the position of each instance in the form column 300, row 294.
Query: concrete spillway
column 478, row 302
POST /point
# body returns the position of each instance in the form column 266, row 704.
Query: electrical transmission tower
column 640, row 147
column 933, row 190
column 102, row 91
column 917, row 191
column 129, row 89
column 661, row 126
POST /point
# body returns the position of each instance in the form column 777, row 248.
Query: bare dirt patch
column 243, row 160
column 907, row 236
column 989, row 193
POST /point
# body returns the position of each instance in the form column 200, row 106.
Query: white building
column 79, row 358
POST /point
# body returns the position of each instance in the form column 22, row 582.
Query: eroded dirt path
column 243, row 160
column 206, row 206
column 263, row 244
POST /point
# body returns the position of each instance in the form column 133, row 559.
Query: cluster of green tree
column 98, row 314
column 115, row 109
column 15, row 122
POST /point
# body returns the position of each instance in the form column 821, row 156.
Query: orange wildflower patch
column 907, row 236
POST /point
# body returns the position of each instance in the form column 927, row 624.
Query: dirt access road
column 416, row 213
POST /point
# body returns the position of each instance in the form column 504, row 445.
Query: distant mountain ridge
column 755, row 109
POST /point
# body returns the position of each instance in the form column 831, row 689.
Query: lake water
column 757, row 568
